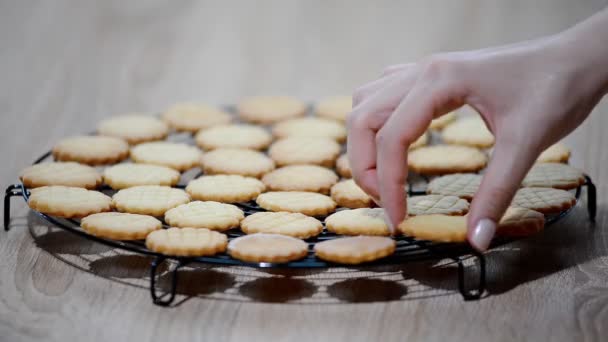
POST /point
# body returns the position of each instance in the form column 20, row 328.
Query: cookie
column 469, row 131
column 307, row 203
column 463, row 185
column 208, row 214
column 186, row 242
column 304, row 150
column 557, row 153
column 263, row 247
column 127, row 175
column 152, row 200
column 270, row 109
column 544, row 200
column 192, row 117
column 349, row 195
column 362, row 221
column 233, row 136
column 91, row 150
column 225, row 188
column 439, row 228
column 436, row 204
column 310, row 127
column 178, row 156
column 120, row 226
column 355, row 249
column 134, row 128
column 336, row 108
column 444, row 159
column 343, row 167
column 300, row 178
column 68, row 202
column 282, row 222
column 442, row 121
column 235, row 161
column 554, row 175
column 520, row 222
column 60, row 173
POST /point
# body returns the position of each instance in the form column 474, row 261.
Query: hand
column 530, row 95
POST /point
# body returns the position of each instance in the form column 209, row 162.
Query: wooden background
column 66, row 64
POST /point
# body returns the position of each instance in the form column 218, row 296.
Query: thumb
column 510, row 162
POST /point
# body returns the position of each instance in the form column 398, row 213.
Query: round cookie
column 439, row 228
column 126, row 175
column 235, row 161
column 300, row 178
column 310, row 127
column 348, row 194
column 208, row 214
column 336, row 107
column 233, row 136
column 307, row 203
column 304, row 150
column 463, row 185
column 186, row 242
column 282, row 222
column 270, row 109
column 442, row 121
column 553, row 175
column 120, row 226
column 263, row 247
column 343, row 167
column 225, row 188
column 91, row 150
column 469, row 131
column 544, row 200
column 192, row 117
column 178, row 156
column 444, row 159
column 556, row 153
column 152, row 200
column 362, row 221
column 355, row 249
column 134, row 128
column 436, row 204
column 60, row 173
column 68, row 202
column 520, row 222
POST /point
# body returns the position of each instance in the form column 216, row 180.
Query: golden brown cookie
column 348, row 194
column 554, row 175
column 270, row 109
column 304, row 150
column 235, row 161
column 463, row 185
column 208, row 214
column 120, row 226
column 519, row 222
column 544, row 200
column 310, row 127
column 442, row 121
column 439, row 228
column 178, row 156
column 557, row 153
column 192, row 117
column 469, row 131
column 234, row 136
column 263, row 247
column 307, row 203
column 126, row 175
column 300, row 178
column 336, row 107
column 225, row 188
column 362, row 221
column 355, row 249
column 187, row 242
column 91, row 150
column 436, row 204
column 343, row 167
column 152, row 200
column 68, row 202
column 282, row 222
column 134, row 128
column 445, row 159
column 60, row 173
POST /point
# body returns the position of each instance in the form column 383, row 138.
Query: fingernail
column 377, row 201
column 390, row 225
column 482, row 234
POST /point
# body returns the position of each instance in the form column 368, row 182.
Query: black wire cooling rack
column 408, row 249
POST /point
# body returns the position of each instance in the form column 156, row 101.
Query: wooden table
column 66, row 64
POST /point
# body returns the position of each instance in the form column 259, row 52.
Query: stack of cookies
column 291, row 164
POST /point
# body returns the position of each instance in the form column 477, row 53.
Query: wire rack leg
column 156, row 298
column 12, row 191
column 476, row 293
column 591, row 198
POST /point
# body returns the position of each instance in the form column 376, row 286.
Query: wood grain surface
column 64, row 65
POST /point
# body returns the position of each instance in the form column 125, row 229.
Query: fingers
column 511, row 160
column 388, row 76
